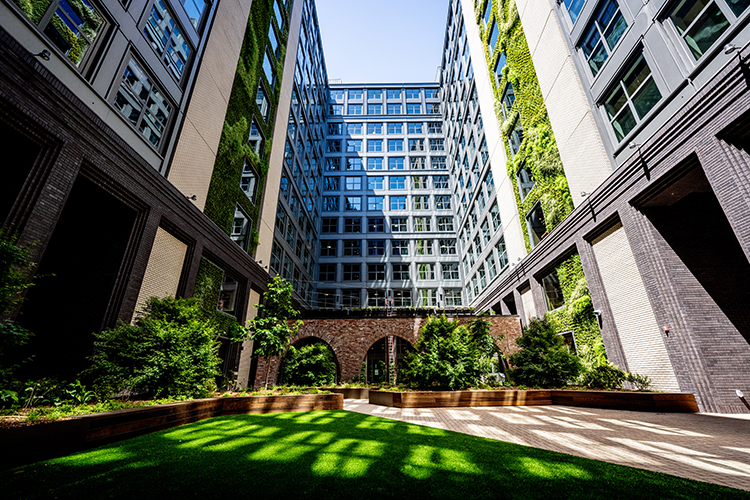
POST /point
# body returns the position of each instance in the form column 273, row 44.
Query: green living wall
column 538, row 154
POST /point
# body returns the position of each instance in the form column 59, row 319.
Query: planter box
column 439, row 399
column 54, row 439
column 350, row 392
column 634, row 401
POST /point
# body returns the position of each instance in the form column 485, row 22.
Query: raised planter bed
column 31, row 443
column 616, row 400
column 350, row 392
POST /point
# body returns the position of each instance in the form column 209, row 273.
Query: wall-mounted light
column 45, row 54
column 584, row 194
column 597, row 313
column 729, row 48
column 633, row 145
column 193, row 197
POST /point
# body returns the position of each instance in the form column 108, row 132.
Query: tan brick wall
column 196, row 149
column 351, row 338
column 164, row 268
column 640, row 335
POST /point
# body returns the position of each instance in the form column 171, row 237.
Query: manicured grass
column 334, row 454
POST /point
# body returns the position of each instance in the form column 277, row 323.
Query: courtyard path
column 707, row 447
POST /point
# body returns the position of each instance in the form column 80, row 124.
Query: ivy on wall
column 234, row 148
column 538, row 154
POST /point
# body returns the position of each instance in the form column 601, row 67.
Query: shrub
column 171, row 350
column 543, row 360
column 604, row 377
column 450, row 356
column 312, row 364
column 641, row 382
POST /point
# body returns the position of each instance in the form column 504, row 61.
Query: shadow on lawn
column 334, row 454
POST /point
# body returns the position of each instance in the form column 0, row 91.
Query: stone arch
column 300, row 341
column 376, row 357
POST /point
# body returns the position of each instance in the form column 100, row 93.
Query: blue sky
column 397, row 41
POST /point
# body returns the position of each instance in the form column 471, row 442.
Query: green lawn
column 334, row 454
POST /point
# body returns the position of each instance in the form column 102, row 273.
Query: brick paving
column 706, row 447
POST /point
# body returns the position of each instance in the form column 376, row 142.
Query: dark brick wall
column 350, row 339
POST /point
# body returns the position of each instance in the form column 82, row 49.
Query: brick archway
column 350, row 338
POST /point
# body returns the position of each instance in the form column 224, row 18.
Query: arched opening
column 384, row 359
column 309, row 365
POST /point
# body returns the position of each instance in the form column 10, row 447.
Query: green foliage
column 310, row 365
column 78, row 393
column 641, row 382
column 272, row 330
column 450, row 356
column 170, row 350
column 604, row 377
column 543, row 360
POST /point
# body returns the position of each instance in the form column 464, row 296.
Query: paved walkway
column 707, row 447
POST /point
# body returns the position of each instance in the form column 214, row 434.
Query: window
column 416, row 144
column 395, row 163
column 330, row 183
column 412, row 93
column 353, row 145
column 413, row 109
column 375, row 298
column 553, row 291
column 255, row 138
column 450, row 271
column 445, row 224
column 414, row 128
column 328, row 248
column 495, row 217
column 375, row 202
column 333, row 163
column 375, row 164
column 374, row 94
column 447, row 247
column 486, row 234
column 353, row 225
column 574, row 8
column 395, row 128
column 326, row 299
column 494, row 34
column 605, row 31
column 354, row 128
column 417, row 163
column 442, row 202
column 402, row 298
column 240, row 228
column 248, row 182
column 426, row 271
column 142, row 103
column 277, row 13
column 632, row 98
column 482, row 277
column 434, row 128
column 430, row 93
column 327, row 272
column 438, row 162
column 400, row 272
column 374, row 183
column 422, row 224
column 161, row 32
column 352, row 273
column 399, row 224
column 436, row 145
column 478, row 245
column 393, row 93
column 333, row 146
column 515, row 137
column 355, row 94
column 375, row 109
column 500, row 65
column 440, row 181
column 330, row 203
column 393, row 109
column 421, row 203
column 419, row 181
column 350, row 298
column 700, row 23
column 374, row 145
column 400, row 247
column 195, row 9
column 536, row 225
column 354, row 163
column 335, row 128
column 352, row 203
column 336, row 109
column 433, row 108
column 525, row 181
column 376, row 272
column 353, row 183
column 395, row 145
column 329, row 225
column 375, row 225
column 453, row 298
column 336, row 95
column 374, row 128
column 352, row 248
column 268, row 70
column 397, row 183
column 424, row 247
column 502, row 253
column 376, row 248
column 508, row 99
column 428, row 297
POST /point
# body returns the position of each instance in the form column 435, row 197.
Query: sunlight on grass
column 552, row 470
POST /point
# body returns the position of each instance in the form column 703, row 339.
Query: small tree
column 271, row 330
column 544, row 360
column 312, row 364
